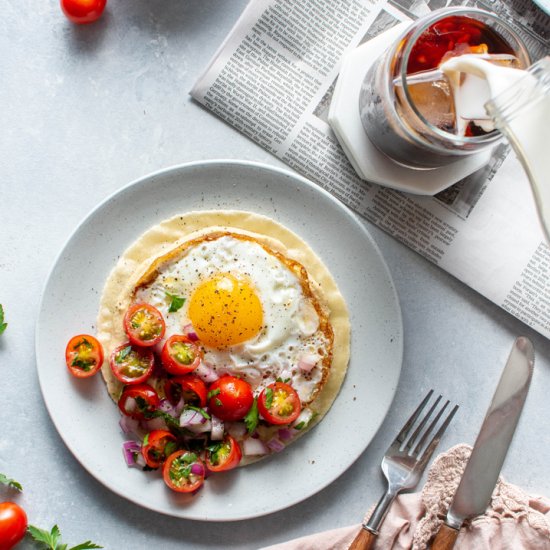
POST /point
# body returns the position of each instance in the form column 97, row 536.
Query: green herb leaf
column 218, row 402
column 5, row 480
column 49, row 538
column 176, row 302
column 268, row 398
column 52, row 542
column 146, row 439
column 252, row 417
column 300, row 425
column 213, row 393
column 2, row 324
column 122, row 354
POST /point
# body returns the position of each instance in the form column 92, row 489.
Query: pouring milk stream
column 516, row 102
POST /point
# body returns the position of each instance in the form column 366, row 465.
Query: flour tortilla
column 169, row 234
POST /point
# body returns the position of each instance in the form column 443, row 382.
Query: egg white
column 290, row 328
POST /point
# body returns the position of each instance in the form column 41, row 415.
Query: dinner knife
column 474, row 491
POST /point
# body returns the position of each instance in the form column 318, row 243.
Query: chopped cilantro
column 2, row 324
column 123, row 353
column 252, row 417
column 199, row 410
column 213, row 393
column 5, row 480
column 51, row 539
column 176, row 302
column 268, row 398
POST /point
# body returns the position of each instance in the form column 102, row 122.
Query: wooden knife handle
column 445, row 538
column 363, row 541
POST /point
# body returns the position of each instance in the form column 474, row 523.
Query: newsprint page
column 273, row 79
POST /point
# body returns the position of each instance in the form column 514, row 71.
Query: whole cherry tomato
column 83, row 11
column 230, row 398
column 279, row 404
column 144, row 325
column 13, row 524
column 83, row 355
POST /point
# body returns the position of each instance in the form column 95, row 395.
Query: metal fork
column 404, row 462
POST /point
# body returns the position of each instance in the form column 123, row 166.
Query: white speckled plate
column 86, row 418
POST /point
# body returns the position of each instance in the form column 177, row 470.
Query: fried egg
column 252, row 309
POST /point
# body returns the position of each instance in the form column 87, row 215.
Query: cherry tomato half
column 132, row 365
column 144, row 325
column 157, row 446
column 230, row 398
column 279, row 404
column 180, row 355
column 13, row 524
column 224, row 455
column 183, row 471
column 83, row 355
column 190, row 387
column 137, row 400
column 83, row 11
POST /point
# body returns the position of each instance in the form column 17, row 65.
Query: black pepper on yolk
column 225, row 310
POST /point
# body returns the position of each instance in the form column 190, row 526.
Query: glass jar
column 412, row 124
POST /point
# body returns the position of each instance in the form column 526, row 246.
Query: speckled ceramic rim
column 82, row 411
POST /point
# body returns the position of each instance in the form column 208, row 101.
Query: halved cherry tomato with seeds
column 180, row 355
column 190, row 387
column 144, row 325
column 158, row 445
column 132, row 365
column 223, row 455
column 84, row 355
column 279, row 404
column 137, row 400
column 230, row 398
column 183, row 471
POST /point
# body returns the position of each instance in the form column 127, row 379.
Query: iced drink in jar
column 406, row 102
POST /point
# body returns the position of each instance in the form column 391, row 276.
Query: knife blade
column 478, row 481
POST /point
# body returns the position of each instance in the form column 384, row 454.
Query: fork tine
column 402, row 435
column 437, row 437
column 423, row 422
column 431, row 427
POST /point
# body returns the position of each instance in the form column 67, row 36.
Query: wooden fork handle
column 445, row 538
column 363, row 541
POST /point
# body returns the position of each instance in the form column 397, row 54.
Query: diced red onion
column 154, row 424
column 197, row 469
column 130, row 426
column 130, row 405
column 178, row 407
column 132, row 454
column 194, row 421
column 254, row 447
column 236, row 429
column 286, row 434
column 307, row 362
column 189, row 331
column 166, row 406
column 275, row 444
column 206, row 373
column 217, row 428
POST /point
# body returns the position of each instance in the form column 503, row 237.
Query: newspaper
column 273, row 79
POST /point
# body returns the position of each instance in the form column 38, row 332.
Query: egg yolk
column 225, row 310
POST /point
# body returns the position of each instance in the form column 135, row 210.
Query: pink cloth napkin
column 513, row 520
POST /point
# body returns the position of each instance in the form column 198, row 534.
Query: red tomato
column 83, row 355
column 132, row 365
column 279, row 404
column 224, row 455
column 230, row 398
column 138, row 399
column 13, row 524
column 157, row 446
column 180, row 355
column 83, row 11
column 183, row 472
column 144, row 325
column 190, row 387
